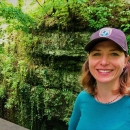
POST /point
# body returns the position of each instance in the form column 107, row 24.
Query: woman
column 104, row 103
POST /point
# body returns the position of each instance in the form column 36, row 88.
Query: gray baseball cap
column 108, row 33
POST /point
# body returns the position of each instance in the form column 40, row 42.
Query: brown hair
column 89, row 83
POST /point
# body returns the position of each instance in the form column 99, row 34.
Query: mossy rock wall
column 42, row 57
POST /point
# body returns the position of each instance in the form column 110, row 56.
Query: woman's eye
column 114, row 54
column 96, row 54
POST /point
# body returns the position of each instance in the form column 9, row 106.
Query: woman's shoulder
column 127, row 97
column 84, row 95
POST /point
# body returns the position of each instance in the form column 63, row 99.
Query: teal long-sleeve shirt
column 88, row 114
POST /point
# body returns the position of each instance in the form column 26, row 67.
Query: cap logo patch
column 105, row 32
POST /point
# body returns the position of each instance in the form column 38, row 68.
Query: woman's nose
column 104, row 60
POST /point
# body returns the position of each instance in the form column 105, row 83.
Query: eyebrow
column 116, row 50
column 110, row 50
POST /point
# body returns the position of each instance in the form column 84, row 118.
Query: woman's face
column 106, row 62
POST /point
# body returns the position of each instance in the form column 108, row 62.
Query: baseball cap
column 108, row 33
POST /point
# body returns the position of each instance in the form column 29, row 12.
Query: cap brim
column 92, row 43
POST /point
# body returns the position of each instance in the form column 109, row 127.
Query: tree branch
column 38, row 3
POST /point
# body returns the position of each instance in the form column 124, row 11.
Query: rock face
column 6, row 125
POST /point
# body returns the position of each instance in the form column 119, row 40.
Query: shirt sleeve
column 76, row 113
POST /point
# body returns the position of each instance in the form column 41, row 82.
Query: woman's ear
column 127, row 60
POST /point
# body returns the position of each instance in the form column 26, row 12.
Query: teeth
column 104, row 71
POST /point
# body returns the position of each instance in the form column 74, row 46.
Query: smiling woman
column 102, row 64
column 104, row 103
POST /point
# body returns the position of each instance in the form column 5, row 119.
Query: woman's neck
column 105, row 93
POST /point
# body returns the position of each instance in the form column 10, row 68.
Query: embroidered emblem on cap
column 105, row 32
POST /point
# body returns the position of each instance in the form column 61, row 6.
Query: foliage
column 15, row 18
column 42, row 52
column 84, row 14
column 128, row 41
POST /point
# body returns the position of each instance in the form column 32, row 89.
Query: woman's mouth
column 104, row 71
